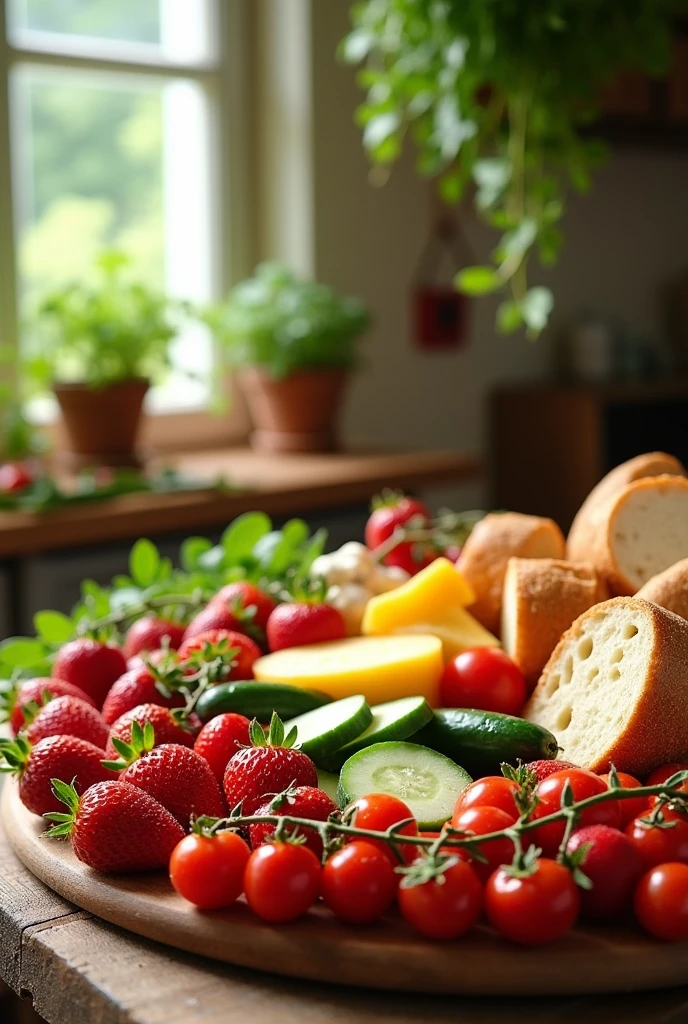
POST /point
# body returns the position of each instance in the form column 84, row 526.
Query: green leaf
column 536, row 307
column 191, row 550
column 478, row 280
column 241, row 536
column 379, row 129
column 293, row 534
column 518, row 241
column 22, row 652
column 357, row 45
column 53, row 627
column 144, row 562
column 509, row 317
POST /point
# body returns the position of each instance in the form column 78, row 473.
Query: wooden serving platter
column 388, row 955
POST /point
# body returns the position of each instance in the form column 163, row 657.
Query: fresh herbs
column 495, row 95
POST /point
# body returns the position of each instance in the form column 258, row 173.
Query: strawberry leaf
column 256, row 734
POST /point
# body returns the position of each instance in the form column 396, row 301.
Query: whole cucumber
column 258, row 700
column 481, row 740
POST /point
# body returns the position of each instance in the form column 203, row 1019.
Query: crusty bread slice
column 494, row 540
column 541, row 599
column 669, row 589
column 615, row 690
column 643, row 529
column 584, row 528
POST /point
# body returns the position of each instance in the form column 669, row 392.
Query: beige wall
column 622, row 241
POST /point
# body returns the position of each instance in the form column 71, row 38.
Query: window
column 114, row 137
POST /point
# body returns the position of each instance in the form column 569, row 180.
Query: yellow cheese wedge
column 381, row 668
column 426, row 597
column 458, row 631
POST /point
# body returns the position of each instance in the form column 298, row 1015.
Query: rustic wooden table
column 79, row 970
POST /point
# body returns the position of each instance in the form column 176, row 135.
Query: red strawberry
column 269, row 766
column 67, row 716
column 154, row 658
column 35, row 691
column 295, row 625
column 90, row 665
column 301, row 802
column 116, row 827
column 147, row 634
column 56, row 757
column 543, row 769
column 168, row 729
column 135, row 687
column 220, row 739
column 218, row 643
column 244, row 596
column 178, row 778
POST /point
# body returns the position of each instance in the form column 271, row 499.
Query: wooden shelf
column 280, row 485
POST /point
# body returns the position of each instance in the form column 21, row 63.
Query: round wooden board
column 388, row 955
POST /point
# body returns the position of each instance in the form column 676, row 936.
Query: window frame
column 225, row 80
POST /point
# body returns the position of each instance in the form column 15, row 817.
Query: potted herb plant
column 293, row 343
column 99, row 346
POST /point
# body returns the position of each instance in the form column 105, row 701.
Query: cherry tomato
column 382, row 523
column 484, row 678
column 378, row 811
column 359, row 882
column 612, row 864
column 659, row 845
column 492, row 791
column 583, row 785
column 281, row 881
column 661, row 902
column 537, row 908
column 14, row 477
column 629, row 809
column 480, row 821
column 661, row 774
column 208, row 871
column 444, row 907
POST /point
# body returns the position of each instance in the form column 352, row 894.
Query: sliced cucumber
column 258, row 700
column 395, row 720
column 328, row 782
column 328, row 728
column 425, row 780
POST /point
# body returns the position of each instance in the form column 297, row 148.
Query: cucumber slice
column 425, row 780
column 329, row 783
column 258, row 700
column 328, row 728
column 395, row 720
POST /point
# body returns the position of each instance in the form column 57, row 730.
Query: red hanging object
column 440, row 314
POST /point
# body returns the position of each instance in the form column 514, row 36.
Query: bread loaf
column 542, row 598
column 584, row 527
column 494, row 540
column 642, row 530
column 669, row 589
column 615, row 690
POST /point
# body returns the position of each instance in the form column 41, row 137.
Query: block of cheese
column 584, row 528
column 542, row 597
column 641, row 531
column 615, row 690
column 381, row 668
column 457, row 630
column 494, row 540
column 669, row 589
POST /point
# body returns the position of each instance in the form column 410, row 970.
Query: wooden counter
column 280, row 485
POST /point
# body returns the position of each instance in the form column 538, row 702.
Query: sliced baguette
column 584, row 528
column 495, row 539
column 542, row 598
column 615, row 690
column 642, row 530
column 669, row 589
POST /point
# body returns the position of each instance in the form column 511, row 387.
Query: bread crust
column 494, row 540
column 584, row 528
column 550, row 594
column 657, row 730
column 669, row 589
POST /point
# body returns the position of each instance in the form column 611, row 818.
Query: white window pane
column 105, row 160
column 177, row 31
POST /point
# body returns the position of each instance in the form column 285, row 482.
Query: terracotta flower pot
column 102, row 423
column 297, row 413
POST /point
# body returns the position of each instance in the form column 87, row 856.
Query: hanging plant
column 496, row 93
